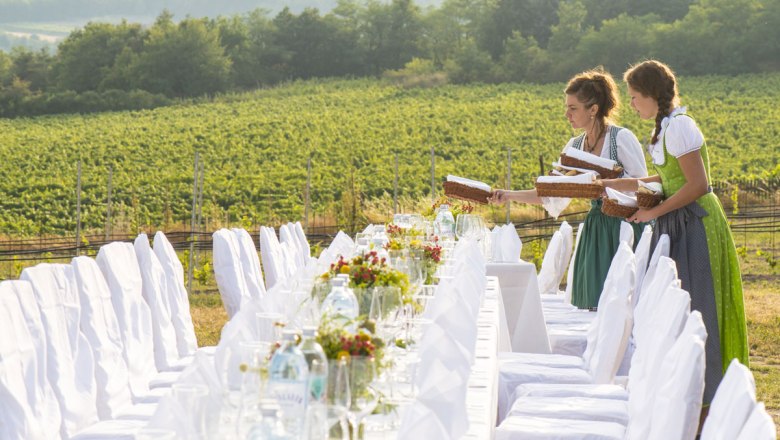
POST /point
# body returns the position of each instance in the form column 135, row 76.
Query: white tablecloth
column 522, row 305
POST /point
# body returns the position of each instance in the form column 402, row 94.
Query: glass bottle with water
column 318, row 365
column 350, row 292
column 271, row 426
column 340, row 304
column 444, row 225
column 288, row 383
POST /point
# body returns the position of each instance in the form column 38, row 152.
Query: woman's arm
column 696, row 185
column 501, row 196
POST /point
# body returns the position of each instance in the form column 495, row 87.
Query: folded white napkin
column 621, row 198
column 438, row 345
column 420, row 421
column 585, row 178
column 508, row 245
column 469, row 182
column 590, row 158
column 652, row 186
column 444, row 392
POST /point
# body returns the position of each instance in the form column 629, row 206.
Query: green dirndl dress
column 726, row 285
column 598, row 243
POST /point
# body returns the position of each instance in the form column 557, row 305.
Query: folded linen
column 585, row 178
column 590, row 158
column 621, row 198
column 469, row 182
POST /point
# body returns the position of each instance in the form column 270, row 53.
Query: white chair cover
column 287, row 239
column 759, row 425
column 541, row 428
column 570, row 272
column 250, row 263
column 661, row 250
column 642, row 253
column 572, row 408
column 556, row 259
column 627, row 234
column 271, row 254
column 99, row 324
column 567, row 249
column 154, row 291
column 21, row 392
column 657, row 334
column 119, row 265
column 229, row 272
column 186, row 342
column 303, row 242
column 680, row 385
column 733, row 403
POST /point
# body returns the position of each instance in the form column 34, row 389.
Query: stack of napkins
column 590, row 158
column 469, row 182
column 621, row 198
column 506, row 244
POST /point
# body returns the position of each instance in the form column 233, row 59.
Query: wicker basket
column 569, row 190
column 603, row 172
column 648, row 200
column 464, row 192
column 614, row 209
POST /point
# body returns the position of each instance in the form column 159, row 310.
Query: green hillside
column 256, row 146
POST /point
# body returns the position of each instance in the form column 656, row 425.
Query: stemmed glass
column 364, row 398
column 339, row 398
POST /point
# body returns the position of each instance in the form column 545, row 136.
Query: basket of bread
column 575, row 185
column 606, row 168
column 618, row 204
column 649, row 194
column 467, row 189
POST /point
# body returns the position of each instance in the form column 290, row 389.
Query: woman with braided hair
column 592, row 100
column 692, row 216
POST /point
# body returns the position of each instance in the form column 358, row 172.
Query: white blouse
column 629, row 152
column 682, row 137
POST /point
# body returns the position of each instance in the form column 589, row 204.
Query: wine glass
column 364, row 398
column 463, row 226
column 339, row 397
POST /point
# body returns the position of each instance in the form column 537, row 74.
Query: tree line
column 106, row 66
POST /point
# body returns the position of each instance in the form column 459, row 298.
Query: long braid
column 664, row 103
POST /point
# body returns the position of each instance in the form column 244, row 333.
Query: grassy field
column 762, row 306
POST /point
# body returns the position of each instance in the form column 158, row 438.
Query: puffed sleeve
column 683, row 136
column 630, row 154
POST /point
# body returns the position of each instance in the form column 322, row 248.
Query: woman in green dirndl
column 700, row 239
column 592, row 100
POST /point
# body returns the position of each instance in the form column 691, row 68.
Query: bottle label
column 291, row 395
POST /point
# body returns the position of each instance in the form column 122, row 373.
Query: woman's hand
column 643, row 216
column 499, row 197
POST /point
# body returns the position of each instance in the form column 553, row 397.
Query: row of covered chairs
column 90, row 346
column 644, row 328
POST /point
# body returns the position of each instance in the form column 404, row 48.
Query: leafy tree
column 182, row 60
column 390, row 33
column 532, row 18
column 470, row 64
column 565, row 37
column 86, row 57
column 33, row 68
column 523, row 60
column 619, row 43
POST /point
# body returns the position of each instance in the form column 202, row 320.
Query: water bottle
column 444, row 225
column 318, row 365
column 270, row 427
column 288, row 383
column 350, row 292
column 340, row 305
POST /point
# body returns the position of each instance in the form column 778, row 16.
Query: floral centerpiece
column 457, row 207
column 429, row 252
column 368, row 272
